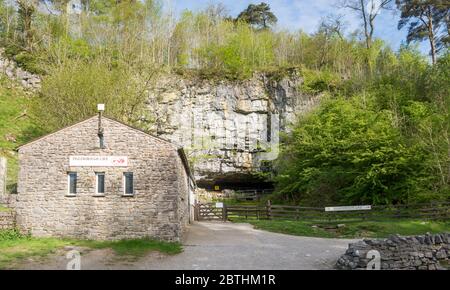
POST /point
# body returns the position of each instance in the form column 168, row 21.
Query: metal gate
column 208, row 212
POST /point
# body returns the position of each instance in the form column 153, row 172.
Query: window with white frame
column 72, row 182
column 100, row 183
column 128, row 183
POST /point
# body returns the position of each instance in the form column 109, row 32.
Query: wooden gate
column 209, row 212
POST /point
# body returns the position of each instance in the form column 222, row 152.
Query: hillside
column 16, row 127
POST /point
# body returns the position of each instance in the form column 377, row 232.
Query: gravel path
column 221, row 246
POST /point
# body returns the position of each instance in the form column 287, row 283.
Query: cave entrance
column 247, row 186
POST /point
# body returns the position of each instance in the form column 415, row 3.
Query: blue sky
column 306, row 15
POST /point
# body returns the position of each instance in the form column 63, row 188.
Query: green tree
column 258, row 15
column 426, row 20
column 367, row 10
column 347, row 153
column 71, row 91
column 26, row 10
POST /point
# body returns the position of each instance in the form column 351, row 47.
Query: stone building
column 102, row 179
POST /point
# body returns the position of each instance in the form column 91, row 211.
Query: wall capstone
column 409, row 253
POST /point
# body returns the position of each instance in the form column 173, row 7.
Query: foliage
column 346, row 153
column 315, row 82
column 16, row 125
column 385, row 144
column 71, row 91
column 12, row 234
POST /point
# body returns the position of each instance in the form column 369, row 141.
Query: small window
column 72, row 178
column 100, row 182
column 128, row 183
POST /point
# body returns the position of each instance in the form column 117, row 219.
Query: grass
column 15, row 247
column 134, row 248
column 351, row 229
column 3, row 208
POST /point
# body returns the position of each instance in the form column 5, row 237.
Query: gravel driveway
column 224, row 246
column 230, row 246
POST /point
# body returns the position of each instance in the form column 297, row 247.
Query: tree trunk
column 431, row 35
column 366, row 24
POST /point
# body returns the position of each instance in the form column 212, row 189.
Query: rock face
column 12, row 71
column 396, row 252
column 229, row 129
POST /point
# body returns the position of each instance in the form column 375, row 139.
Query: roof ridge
column 87, row 119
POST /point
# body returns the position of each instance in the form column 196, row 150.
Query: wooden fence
column 250, row 194
column 435, row 211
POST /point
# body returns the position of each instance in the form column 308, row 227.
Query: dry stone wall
column 423, row 252
column 7, row 220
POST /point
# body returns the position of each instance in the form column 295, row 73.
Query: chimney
column 100, row 108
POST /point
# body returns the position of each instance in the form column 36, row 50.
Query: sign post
column 348, row 208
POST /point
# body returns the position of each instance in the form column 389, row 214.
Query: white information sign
column 219, row 204
column 107, row 161
column 345, row 208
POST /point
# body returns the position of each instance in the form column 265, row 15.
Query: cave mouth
column 240, row 181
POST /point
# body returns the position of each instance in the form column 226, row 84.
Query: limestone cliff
column 228, row 128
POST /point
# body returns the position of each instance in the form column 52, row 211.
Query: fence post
column 196, row 215
column 224, row 213
column 269, row 209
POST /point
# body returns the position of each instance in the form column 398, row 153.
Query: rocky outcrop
column 229, row 129
column 14, row 72
column 410, row 253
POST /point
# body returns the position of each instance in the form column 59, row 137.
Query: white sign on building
column 348, row 208
column 107, row 161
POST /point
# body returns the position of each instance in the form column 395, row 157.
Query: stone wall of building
column 8, row 200
column 155, row 210
column 413, row 253
column 183, row 195
column 14, row 72
column 7, row 220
